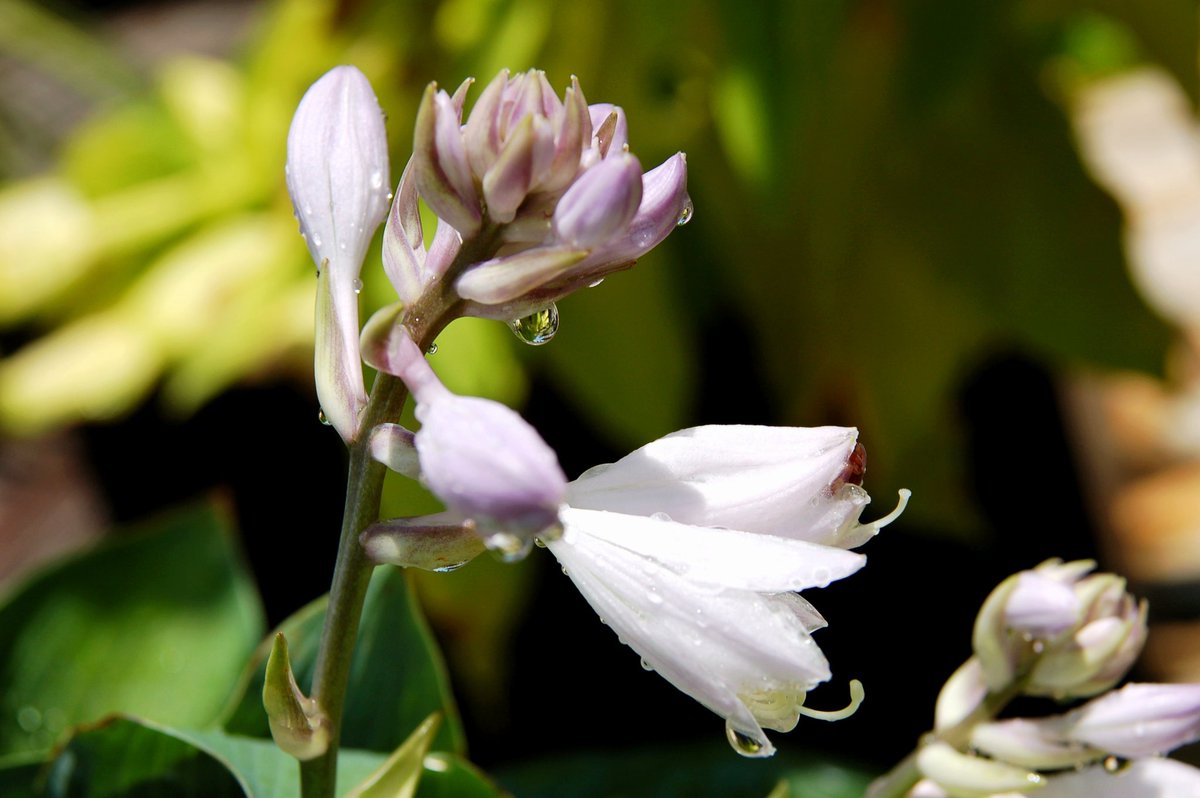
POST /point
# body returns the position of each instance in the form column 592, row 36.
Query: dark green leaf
column 159, row 624
column 695, row 771
column 397, row 679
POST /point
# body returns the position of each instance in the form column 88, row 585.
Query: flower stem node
column 297, row 723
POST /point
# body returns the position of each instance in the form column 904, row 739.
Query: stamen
column 857, row 693
column 905, row 493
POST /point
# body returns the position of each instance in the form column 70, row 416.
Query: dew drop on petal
column 324, row 419
column 744, row 744
column 432, row 350
column 685, row 215
column 593, row 285
column 376, row 179
column 445, row 569
column 646, row 666
column 537, row 328
column 358, row 285
column 1111, row 763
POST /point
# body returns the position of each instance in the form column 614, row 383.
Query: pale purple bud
column 1037, row 744
column 480, row 458
column 481, row 132
column 573, row 132
column 600, row 203
column 1041, row 606
column 441, row 542
column 440, row 166
column 1139, row 719
column 502, row 280
column 395, row 447
column 337, row 175
column 526, row 154
column 404, row 241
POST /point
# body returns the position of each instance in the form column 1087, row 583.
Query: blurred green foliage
column 884, row 191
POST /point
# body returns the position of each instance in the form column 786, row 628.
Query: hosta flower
column 546, row 188
column 337, row 175
column 1143, row 778
column 691, row 548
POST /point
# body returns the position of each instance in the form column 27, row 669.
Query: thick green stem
column 899, row 780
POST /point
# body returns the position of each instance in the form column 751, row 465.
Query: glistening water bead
column 744, row 744
column 685, row 215
column 537, row 328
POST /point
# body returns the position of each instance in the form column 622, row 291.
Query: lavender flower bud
column 1069, row 633
column 1139, row 719
column 482, row 459
column 337, row 175
column 440, row 167
column 600, row 203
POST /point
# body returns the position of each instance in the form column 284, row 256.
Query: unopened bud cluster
column 1064, row 632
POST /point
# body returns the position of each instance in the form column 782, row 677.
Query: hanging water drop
column 358, row 285
column 744, row 744
column 508, row 547
column 593, row 285
column 445, row 569
column 536, row 328
column 432, row 350
column 324, row 419
column 685, row 215
column 646, row 666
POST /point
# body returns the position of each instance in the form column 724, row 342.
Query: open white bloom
column 690, row 548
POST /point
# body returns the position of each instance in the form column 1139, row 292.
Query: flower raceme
column 548, row 184
column 691, row 548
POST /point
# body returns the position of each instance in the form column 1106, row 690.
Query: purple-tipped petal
column 403, row 241
column 600, row 203
column 503, row 280
column 481, row 133
column 440, row 167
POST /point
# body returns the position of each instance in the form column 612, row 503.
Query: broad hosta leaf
column 124, row 756
column 158, row 623
column 397, row 679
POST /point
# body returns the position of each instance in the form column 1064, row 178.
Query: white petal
column 716, row 558
column 746, row 656
column 771, row 480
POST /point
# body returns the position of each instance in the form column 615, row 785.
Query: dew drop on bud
column 646, row 666
column 744, row 744
column 685, row 215
column 1111, row 764
column 322, row 417
column 593, row 285
column 432, row 350
column 536, row 328
column 358, row 285
column 508, row 547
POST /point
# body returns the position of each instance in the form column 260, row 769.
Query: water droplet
column 316, row 240
column 654, row 597
column 324, row 419
column 646, row 666
column 1039, row 646
column 536, row 328
column 358, row 285
column 509, row 547
column 308, row 211
column 744, row 744
column 29, row 719
column 376, row 179
column 685, row 215
column 1111, row 763
column 593, row 285
column 432, row 350
column 660, row 516
column 565, row 571
column 445, row 569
